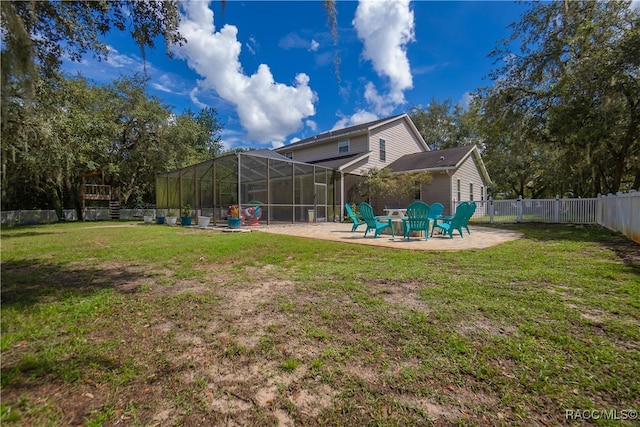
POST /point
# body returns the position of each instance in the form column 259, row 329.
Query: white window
column 481, row 193
column 383, row 150
column 289, row 154
column 458, row 190
column 343, row 146
column 471, row 191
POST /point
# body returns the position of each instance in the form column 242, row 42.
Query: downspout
column 293, row 193
column 341, row 196
column 239, row 181
column 196, row 185
column 214, row 189
column 268, row 192
column 451, row 203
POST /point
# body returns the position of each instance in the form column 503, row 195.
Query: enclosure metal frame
column 238, row 174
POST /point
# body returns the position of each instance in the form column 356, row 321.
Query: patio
column 480, row 237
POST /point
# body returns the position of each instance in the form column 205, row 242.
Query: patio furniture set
column 418, row 216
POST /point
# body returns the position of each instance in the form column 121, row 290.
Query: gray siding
column 328, row 149
column 398, row 136
column 399, row 139
column 438, row 190
column 468, row 173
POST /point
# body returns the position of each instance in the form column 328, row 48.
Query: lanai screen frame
column 288, row 191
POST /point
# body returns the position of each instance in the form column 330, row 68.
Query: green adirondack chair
column 417, row 219
column 456, row 222
column 435, row 213
column 374, row 223
column 357, row 219
column 472, row 209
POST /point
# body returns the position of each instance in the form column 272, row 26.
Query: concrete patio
column 480, row 237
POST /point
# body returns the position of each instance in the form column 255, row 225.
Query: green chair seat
column 435, row 213
column 456, row 222
column 374, row 223
column 357, row 219
column 417, row 219
column 471, row 211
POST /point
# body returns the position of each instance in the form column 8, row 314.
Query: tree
column 37, row 34
column 374, row 181
column 575, row 86
column 35, row 115
column 207, row 139
column 445, row 125
column 435, row 123
column 118, row 129
column 519, row 165
column 404, row 187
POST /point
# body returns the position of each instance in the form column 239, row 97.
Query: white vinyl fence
column 618, row 212
column 621, row 212
column 29, row 217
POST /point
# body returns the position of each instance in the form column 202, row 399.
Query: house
column 458, row 174
column 394, row 143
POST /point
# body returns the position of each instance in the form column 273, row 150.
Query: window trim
column 342, row 144
column 383, row 150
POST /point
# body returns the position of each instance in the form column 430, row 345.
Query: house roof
column 338, row 163
column 441, row 159
column 446, row 159
column 264, row 152
column 349, row 131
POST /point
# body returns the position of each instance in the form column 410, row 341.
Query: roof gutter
column 352, row 162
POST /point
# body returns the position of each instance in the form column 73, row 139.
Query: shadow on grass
column 67, row 369
column 28, row 283
column 626, row 249
column 13, row 235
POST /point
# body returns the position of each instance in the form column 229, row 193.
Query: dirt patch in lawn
column 221, row 350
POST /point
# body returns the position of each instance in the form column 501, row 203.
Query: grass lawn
column 120, row 324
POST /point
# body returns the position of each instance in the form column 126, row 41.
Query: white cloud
column 268, row 110
column 252, row 46
column 324, row 58
column 465, row 100
column 231, row 139
column 117, row 60
column 311, row 125
column 114, row 66
column 293, row 41
column 426, row 69
column 361, row 116
column 383, row 104
column 164, row 83
column 386, row 27
column 193, row 95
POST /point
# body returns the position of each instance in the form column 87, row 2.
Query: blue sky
column 267, row 67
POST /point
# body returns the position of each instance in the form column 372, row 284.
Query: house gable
column 448, row 160
column 458, row 174
column 396, row 135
